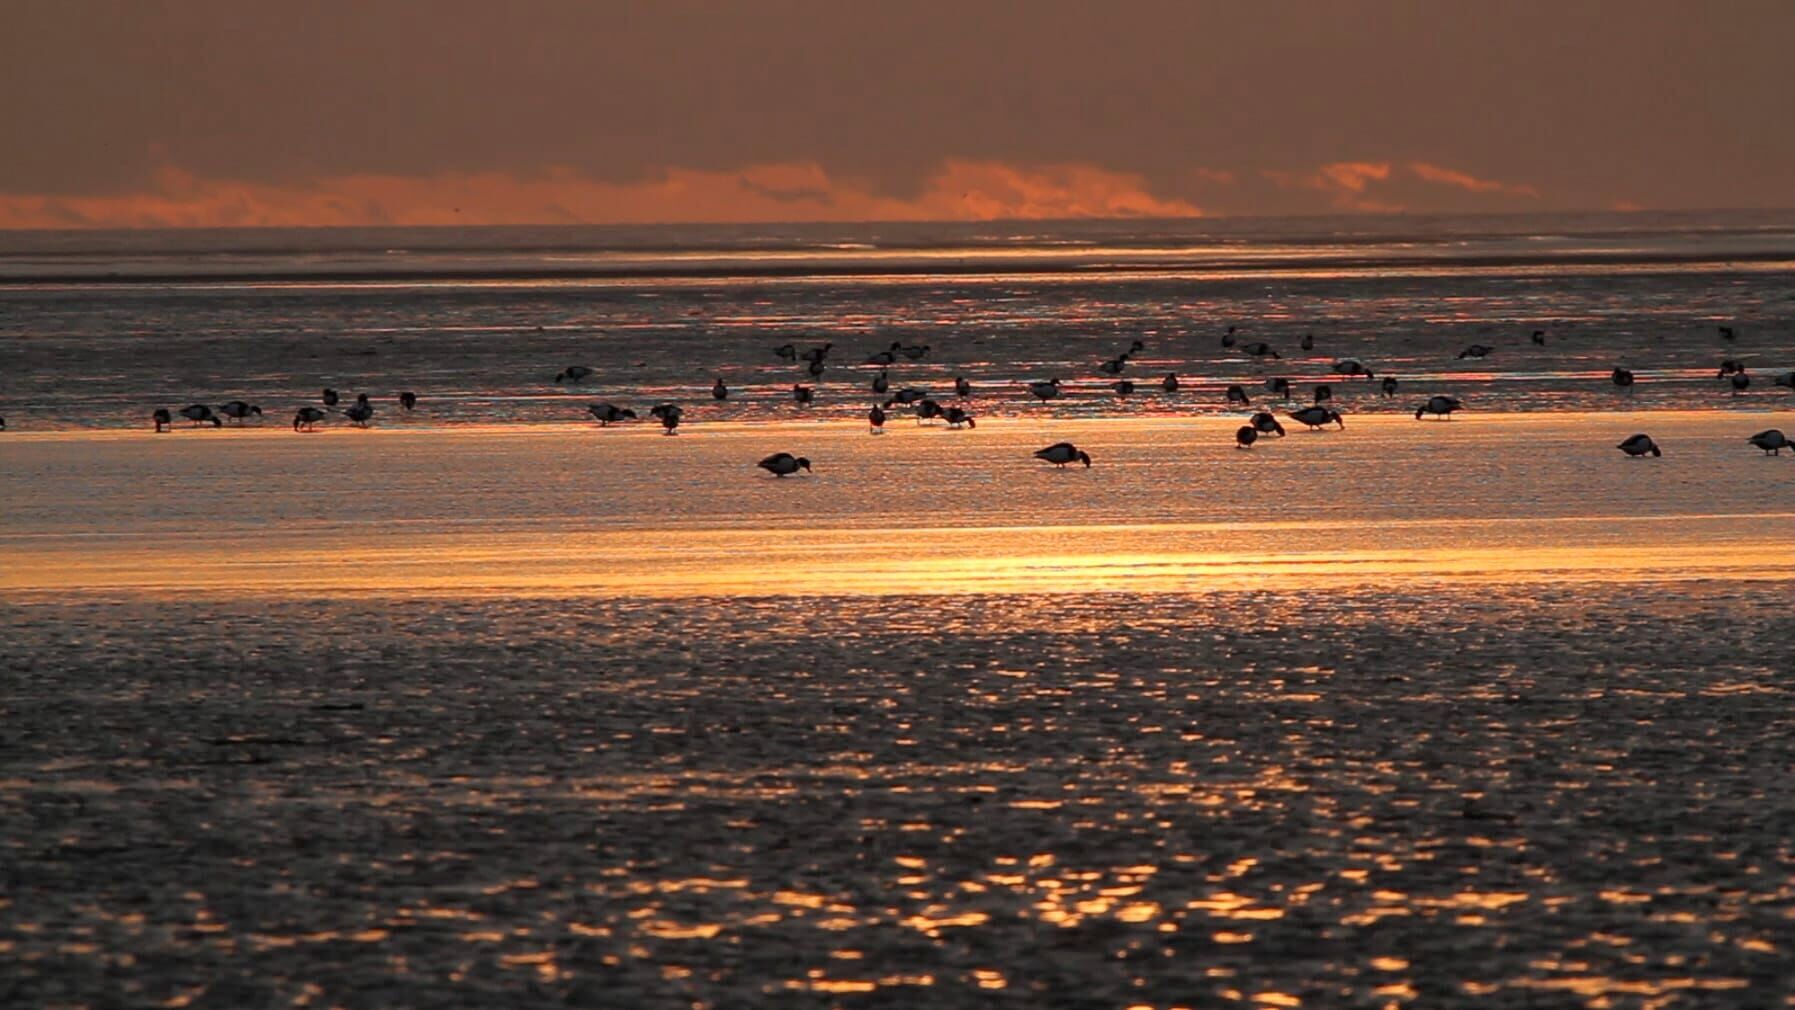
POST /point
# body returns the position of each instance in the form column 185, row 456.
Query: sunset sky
column 237, row 112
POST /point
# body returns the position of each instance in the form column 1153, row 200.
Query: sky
column 159, row 113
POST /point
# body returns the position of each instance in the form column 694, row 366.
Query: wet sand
column 1467, row 714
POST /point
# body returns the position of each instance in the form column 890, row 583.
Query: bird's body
column 1389, row 385
column 1439, row 406
column 162, row 418
column 962, row 388
column 574, row 374
column 1308, row 341
column 1352, row 366
column 1228, row 338
column 1246, row 436
column 307, row 418
column 199, row 414
column 1539, row 338
column 237, row 410
column 1476, row 351
column 1236, row 394
column 906, row 396
column 876, row 418
column 1123, row 387
column 1772, row 441
column 787, row 353
column 782, row 464
column 719, row 391
column 916, row 352
column 1741, row 382
column 361, row 411
column 1324, row 393
column 1726, row 332
column 1044, row 390
column 606, row 413
column 1259, row 349
column 1170, row 382
column 408, row 400
column 881, row 383
column 1061, row 453
column 957, row 417
column 881, row 358
column 1280, row 386
column 1640, row 445
column 1265, row 423
column 1786, row 380
column 815, row 368
column 926, row 410
column 329, row 397
column 669, row 415
column 1728, row 366
column 1317, row 417
column 1622, row 378
column 1114, row 366
column 803, row 395
column 816, row 354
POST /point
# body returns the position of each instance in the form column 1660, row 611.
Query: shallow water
column 1573, row 795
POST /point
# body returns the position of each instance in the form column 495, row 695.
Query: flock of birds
column 1316, row 417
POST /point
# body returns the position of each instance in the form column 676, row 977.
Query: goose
column 786, row 353
column 1726, row 332
column 1622, row 378
column 1728, row 366
column 1170, row 383
column 237, row 410
column 804, row 395
column 876, row 418
column 1539, row 338
column 1741, row 382
column 199, row 413
column 669, row 415
column 1324, row 393
column 1352, row 366
column 1264, row 422
column 1061, row 453
column 605, row 413
column 1228, row 338
column 1260, row 349
column 1773, row 442
column 781, row 464
column 957, row 417
column 881, row 383
column 361, row 411
column 1114, row 366
column 1134, row 349
column 1639, row 445
column 1123, row 387
column 1308, row 341
column 1439, row 406
column 1316, row 417
column 1476, row 351
column 815, row 368
column 329, row 396
column 307, row 418
column 962, row 388
column 916, row 352
column 926, row 410
column 719, row 391
column 1389, row 386
column 1246, row 436
column 574, row 374
column 906, row 396
column 1280, row 386
column 162, row 419
column 816, row 354
column 2, row 424
column 1787, row 380
column 881, row 358
column 408, row 400
column 1045, row 390
column 1238, row 395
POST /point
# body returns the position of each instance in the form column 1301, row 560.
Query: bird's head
column 1085, row 458
column 804, row 464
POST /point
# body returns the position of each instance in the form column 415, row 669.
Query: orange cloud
column 959, row 190
column 1466, row 181
column 1373, row 185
